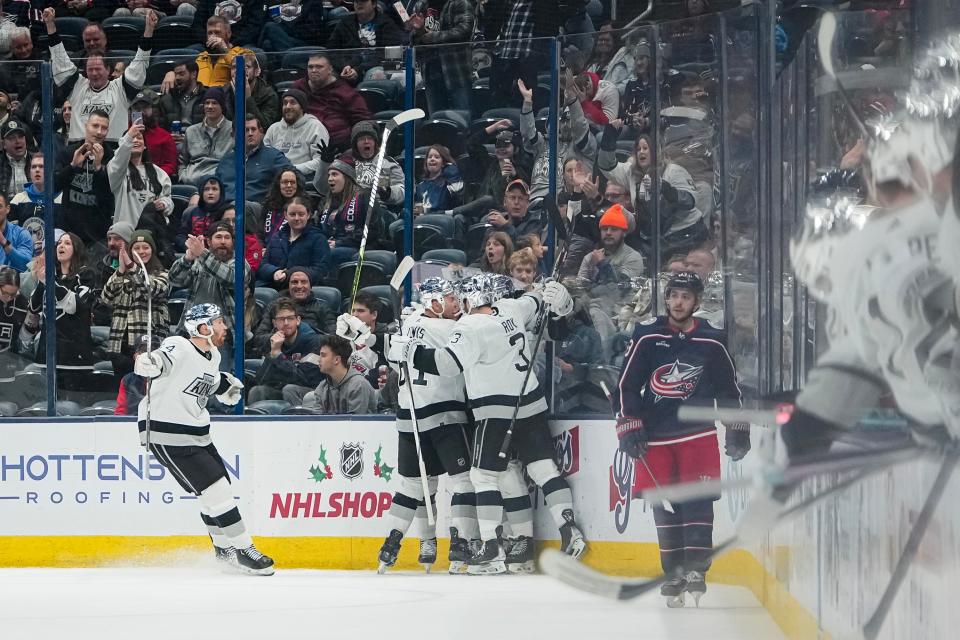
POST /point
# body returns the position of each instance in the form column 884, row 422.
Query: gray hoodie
column 352, row 395
column 300, row 142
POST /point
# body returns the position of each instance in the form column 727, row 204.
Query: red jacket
column 162, row 148
column 338, row 106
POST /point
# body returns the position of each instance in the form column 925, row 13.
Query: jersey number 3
column 522, row 339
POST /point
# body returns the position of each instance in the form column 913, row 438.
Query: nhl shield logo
column 351, row 460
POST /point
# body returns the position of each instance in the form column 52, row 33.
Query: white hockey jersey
column 178, row 396
column 439, row 400
column 493, row 354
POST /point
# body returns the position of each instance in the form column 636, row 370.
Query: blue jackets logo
column 676, row 380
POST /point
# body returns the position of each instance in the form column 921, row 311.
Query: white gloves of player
column 557, row 299
column 355, row 330
column 148, row 365
column 406, row 312
column 233, row 394
column 400, row 348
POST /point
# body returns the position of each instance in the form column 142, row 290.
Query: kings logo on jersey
column 676, row 380
column 351, row 460
column 200, row 388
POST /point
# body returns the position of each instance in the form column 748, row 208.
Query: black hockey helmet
column 684, row 280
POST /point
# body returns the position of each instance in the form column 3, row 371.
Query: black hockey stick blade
column 570, row 571
column 559, row 224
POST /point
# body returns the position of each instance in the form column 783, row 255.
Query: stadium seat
column 386, row 259
column 158, row 69
column 300, row 411
column 287, row 75
column 124, row 32
column 183, row 190
column 174, row 32
column 176, row 307
column 432, row 231
column 390, row 89
column 99, row 334
column 450, row 256
column 500, row 113
column 103, row 365
column 70, row 29
column 329, row 296
column 29, row 385
column 39, row 409
column 475, row 235
column 184, row 53
column 371, row 273
column 264, row 296
column 97, row 411
column 283, row 85
column 8, row 409
column 297, row 57
column 266, row 408
column 445, row 127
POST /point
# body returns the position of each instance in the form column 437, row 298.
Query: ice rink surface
column 186, row 603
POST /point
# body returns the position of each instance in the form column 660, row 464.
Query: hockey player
column 671, row 360
column 183, row 373
column 489, row 348
column 440, row 406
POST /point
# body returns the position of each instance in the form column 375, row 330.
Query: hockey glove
column 632, row 436
column 669, row 192
column 737, row 441
column 557, row 299
column 400, row 348
column 148, row 365
column 233, row 393
column 355, row 330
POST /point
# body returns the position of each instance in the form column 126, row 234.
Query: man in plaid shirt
column 447, row 70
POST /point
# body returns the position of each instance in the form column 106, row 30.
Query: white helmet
column 200, row 314
column 483, row 289
column 435, row 289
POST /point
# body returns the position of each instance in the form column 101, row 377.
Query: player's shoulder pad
column 706, row 330
column 656, row 324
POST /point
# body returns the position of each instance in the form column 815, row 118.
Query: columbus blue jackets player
column 673, row 359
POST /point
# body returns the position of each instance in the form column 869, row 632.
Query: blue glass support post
column 409, row 102
column 239, row 254
column 49, row 248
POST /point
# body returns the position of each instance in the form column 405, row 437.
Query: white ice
column 186, row 603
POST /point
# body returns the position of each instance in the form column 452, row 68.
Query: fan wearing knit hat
column 345, row 210
column 614, row 259
column 298, row 135
column 365, row 144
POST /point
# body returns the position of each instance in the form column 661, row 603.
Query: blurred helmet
column 684, row 280
column 483, row 289
column 435, row 289
column 200, row 314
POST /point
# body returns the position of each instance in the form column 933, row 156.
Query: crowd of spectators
column 145, row 171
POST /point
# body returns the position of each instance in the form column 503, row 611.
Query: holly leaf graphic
column 318, row 474
column 385, row 471
column 376, row 455
column 323, row 456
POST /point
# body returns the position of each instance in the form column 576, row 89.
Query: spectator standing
column 73, row 291
column 297, row 243
column 208, row 269
column 358, row 35
column 135, row 181
column 213, row 63
column 262, row 163
column 244, row 19
column 253, row 250
column 312, row 310
column 298, row 135
column 287, row 185
column 16, row 243
column 87, row 197
column 290, row 25
column 334, row 102
column 344, row 390
column 207, row 142
column 365, row 145
column 17, row 325
column 126, row 294
column 261, row 99
column 15, row 160
column 95, row 90
column 198, row 218
column 183, row 103
column 442, row 187
column 510, row 162
column 447, row 70
column 344, row 212
column 133, row 387
column 290, row 358
column 26, row 208
column 497, row 249
column 119, row 238
column 599, row 99
column 158, row 141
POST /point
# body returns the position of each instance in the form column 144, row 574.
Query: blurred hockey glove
column 355, row 330
column 608, row 140
column 406, row 312
column 400, row 348
column 737, row 441
column 326, row 151
column 557, row 299
column 233, row 393
column 148, row 365
column 632, row 436
column 669, row 192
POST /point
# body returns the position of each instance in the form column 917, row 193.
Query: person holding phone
column 135, row 181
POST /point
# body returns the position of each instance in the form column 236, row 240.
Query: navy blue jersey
column 665, row 367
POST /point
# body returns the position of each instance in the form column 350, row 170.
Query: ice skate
column 489, row 559
column 696, row 585
column 252, row 562
column 572, row 541
column 520, row 557
column 428, row 553
column 390, row 550
column 459, row 553
column 673, row 590
column 226, row 559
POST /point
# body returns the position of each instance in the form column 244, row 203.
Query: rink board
column 313, row 492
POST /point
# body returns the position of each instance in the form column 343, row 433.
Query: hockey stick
column 396, row 282
column 542, row 320
column 394, row 122
column 778, row 415
column 146, row 282
column 643, row 459
column 875, row 623
column 825, row 36
column 582, row 577
column 800, row 470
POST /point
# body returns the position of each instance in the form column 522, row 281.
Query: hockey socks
column 408, row 503
column 220, row 513
column 516, row 501
column 556, row 491
column 489, row 501
column 685, row 536
column 463, row 506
